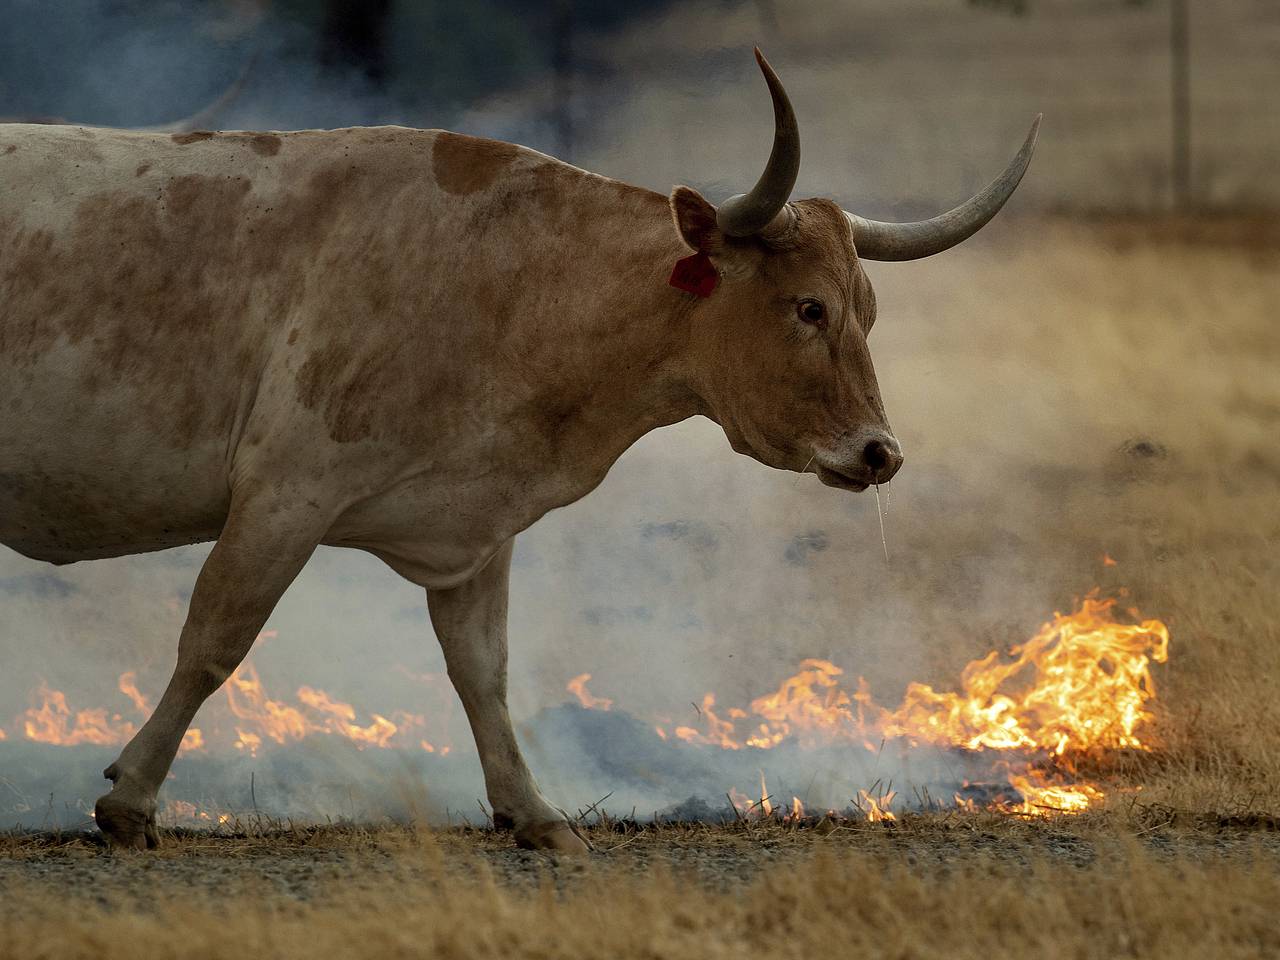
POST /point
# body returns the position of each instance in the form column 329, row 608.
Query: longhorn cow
column 410, row 342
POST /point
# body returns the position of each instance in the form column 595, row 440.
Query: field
column 1065, row 390
column 958, row 886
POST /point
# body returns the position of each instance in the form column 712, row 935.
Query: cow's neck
column 616, row 367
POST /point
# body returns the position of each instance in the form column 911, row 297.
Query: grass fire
column 517, row 480
column 1077, row 690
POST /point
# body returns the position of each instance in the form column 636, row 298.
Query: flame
column 52, row 722
column 129, row 687
column 248, row 741
column 258, row 719
column 719, row 732
column 876, row 808
column 249, row 701
column 183, row 811
column 1041, row 799
column 578, row 687
column 1086, row 680
column 193, row 739
column 810, row 704
column 1081, row 684
column 340, row 719
column 762, row 809
column 280, row 722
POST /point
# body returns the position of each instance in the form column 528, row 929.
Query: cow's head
column 780, row 345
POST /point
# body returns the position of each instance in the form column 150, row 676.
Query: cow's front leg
column 262, row 547
column 471, row 622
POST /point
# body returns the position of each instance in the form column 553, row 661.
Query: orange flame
column 193, row 739
column 578, row 687
column 876, row 808
column 183, row 811
column 52, row 722
column 1081, row 683
column 1042, row 799
column 719, row 732
column 340, row 719
column 283, row 723
column 260, row 718
column 129, row 687
column 1086, row 681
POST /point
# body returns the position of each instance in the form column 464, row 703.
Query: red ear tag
column 695, row 274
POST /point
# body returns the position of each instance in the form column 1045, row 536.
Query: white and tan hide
column 410, row 342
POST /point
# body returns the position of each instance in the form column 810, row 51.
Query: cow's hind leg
column 471, row 623
column 262, row 547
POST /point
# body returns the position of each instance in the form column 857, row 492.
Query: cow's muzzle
column 877, row 458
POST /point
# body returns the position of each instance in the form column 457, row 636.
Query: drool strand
column 880, row 513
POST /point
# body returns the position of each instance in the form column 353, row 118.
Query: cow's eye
column 812, row 311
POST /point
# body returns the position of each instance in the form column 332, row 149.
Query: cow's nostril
column 876, row 454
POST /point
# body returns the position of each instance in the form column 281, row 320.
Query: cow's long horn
column 755, row 212
column 876, row 240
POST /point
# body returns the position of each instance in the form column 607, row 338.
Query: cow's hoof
column 127, row 824
column 556, row 836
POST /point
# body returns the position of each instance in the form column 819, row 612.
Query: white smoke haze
column 692, row 569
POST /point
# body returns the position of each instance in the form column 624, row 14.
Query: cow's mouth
column 834, row 478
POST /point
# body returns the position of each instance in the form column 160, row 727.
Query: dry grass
column 404, row 894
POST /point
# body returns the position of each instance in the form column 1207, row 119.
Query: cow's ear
column 696, row 221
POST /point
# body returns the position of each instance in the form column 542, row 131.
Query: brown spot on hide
column 265, row 144
column 168, row 300
column 194, row 136
column 142, row 168
column 464, row 165
column 10, row 149
column 150, row 290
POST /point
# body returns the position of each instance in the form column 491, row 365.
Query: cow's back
column 178, row 311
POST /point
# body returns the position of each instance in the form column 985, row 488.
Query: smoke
column 690, row 569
